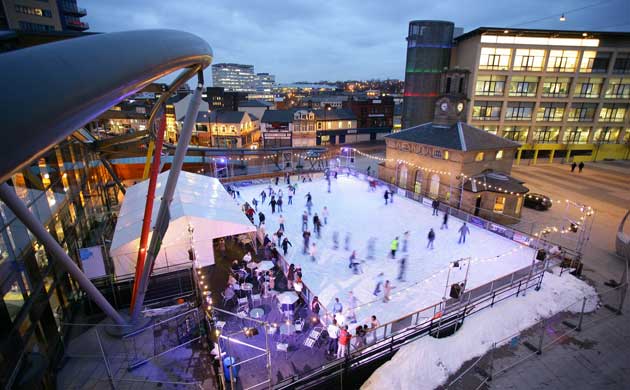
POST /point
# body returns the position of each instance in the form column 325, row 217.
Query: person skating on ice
column 346, row 242
column 279, row 203
column 444, row 221
column 325, row 215
column 261, row 218
column 317, row 225
column 304, row 221
column 335, row 238
column 281, row 222
column 431, row 237
column 285, row 245
column 387, row 291
column 386, row 196
column 394, row 247
column 379, row 283
column 263, row 196
column 313, row 252
column 306, row 235
column 463, row 232
column 255, row 203
column 402, row 268
column 405, row 242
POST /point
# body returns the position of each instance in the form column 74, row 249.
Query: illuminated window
column 516, row 133
column 487, row 111
column 588, row 87
column 519, row 111
column 606, row 135
column 550, row 112
column 446, row 155
column 618, row 88
column 588, row 59
column 490, row 85
column 556, row 86
column 495, row 58
column 437, row 154
column 492, row 129
column 523, row 86
column 529, row 59
column 499, row 155
column 546, row 135
column 349, row 124
column 562, row 60
column 582, row 112
column 340, row 125
column 479, row 156
column 328, row 125
column 613, row 113
column 499, row 204
column 576, row 135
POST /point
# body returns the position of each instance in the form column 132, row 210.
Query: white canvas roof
column 199, row 201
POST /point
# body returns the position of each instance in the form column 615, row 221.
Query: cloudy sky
column 341, row 39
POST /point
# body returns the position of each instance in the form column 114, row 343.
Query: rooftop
column 254, row 103
column 543, row 33
column 459, row 136
column 284, row 116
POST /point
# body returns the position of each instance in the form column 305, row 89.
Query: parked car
column 537, row 201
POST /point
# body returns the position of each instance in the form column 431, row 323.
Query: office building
column 563, row 95
column 264, row 83
column 234, row 77
column 42, row 16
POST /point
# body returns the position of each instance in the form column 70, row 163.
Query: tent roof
column 197, row 198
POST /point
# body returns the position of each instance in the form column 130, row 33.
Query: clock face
column 444, row 106
column 460, row 107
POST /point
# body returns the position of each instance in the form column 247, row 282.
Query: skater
column 270, row 190
column 263, row 196
column 379, row 282
column 285, row 245
column 352, row 305
column 277, row 180
column 333, row 334
column 281, row 222
column 405, row 241
column 315, row 306
column 386, row 196
column 304, row 221
column 387, row 291
column 337, row 307
column 431, row 238
column 436, row 206
column 581, row 166
column 401, row 271
column 370, row 247
column 325, row 215
column 313, row 252
column 463, row 231
column 273, row 204
column 335, row 238
column 309, row 202
column 573, row 166
column 279, row 203
column 394, row 247
column 290, row 198
column 368, row 170
column 352, row 258
column 391, row 196
column 347, row 242
column 307, row 238
column 255, row 203
column 317, row 225
column 328, row 180
column 279, row 234
column 445, row 221
column 261, row 218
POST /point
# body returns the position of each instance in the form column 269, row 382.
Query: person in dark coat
column 445, row 221
column 255, row 203
column 307, row 238
column 436, row 206
column 386, row 196
column 279, row 203
column 285, row 245
column 431, row 237
column 277, row 179
column 291, row 276
column 261, row 218
column 273, row 205
column 573, row 166
column 263, row 196
column 317, row 225
column 581, row 166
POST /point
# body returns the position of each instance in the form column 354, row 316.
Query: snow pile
column 363, row 214
column 428, row 362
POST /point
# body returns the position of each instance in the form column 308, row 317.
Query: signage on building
column 502, row 230
column 376, row 101
column 478, row 222
column 422, row 150
column 278, row 134
column 352, row 131
column 523, row 239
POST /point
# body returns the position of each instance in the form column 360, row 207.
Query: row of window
column 35, row 27
column 24, row 9
column 549, row 111
column 537, row 60
column 553, row 134
column 527, row 86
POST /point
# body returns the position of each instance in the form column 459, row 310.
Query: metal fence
column 98, row 355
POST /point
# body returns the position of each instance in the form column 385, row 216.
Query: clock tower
column 449, row 109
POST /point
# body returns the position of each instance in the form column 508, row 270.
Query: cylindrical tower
column 428, row 54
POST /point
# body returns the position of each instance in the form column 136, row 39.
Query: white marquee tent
column 199, row 202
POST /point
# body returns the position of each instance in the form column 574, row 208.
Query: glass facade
column 71, row 194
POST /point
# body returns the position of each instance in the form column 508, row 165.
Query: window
column 23, row 9
column 606, row 135
column 519, row 111
column 546, row 135
column 529, row 59
column 582, row 112
column 437, row 154
column 556, row 86
column 499, row 204
column 618, row 88
column 550, row 112
column 319, row 126
column 340, row 125
column 479, row 156
column 576, row 135
column 499, row 155
column 588, row 87
column 488, row 111
column 516, row 133
column 523, row 86
column 493, row 58
column 349, row 124
column 601, row 61
column 492, row 129
column 613, row 113
column 35, row 27
column 445, row 155
column 622, row 63
column 562, row 60
column 490, row 85
column 588, row 58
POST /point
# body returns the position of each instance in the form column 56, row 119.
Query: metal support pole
column 579, row 327
column 491, row 368
column 113, row 174
column 163, row 217
column 10, row 198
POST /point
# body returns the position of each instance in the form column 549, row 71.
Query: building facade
column 72, row 195
column 564, row 95
column 232, row 129
column 264, row 83
column 234, row 77
column 373, row 112
column 42, row 16
column 276, row 128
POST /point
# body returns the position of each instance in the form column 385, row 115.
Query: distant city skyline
column 348, row 40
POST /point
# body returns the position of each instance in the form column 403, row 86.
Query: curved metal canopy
column 49, row 91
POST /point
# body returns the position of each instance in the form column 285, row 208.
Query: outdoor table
column 252, row 265
column 257, row 313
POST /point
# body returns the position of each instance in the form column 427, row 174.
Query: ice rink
column 354, row 210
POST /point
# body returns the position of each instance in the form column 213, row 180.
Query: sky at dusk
column 337, row 40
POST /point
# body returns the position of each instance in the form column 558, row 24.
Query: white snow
column 352, row 208
column 428, row 362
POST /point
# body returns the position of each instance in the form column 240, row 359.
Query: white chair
column 283, row 347
column 243, row 303
column 256, row 297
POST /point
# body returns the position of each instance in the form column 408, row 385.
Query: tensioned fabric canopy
column 200, row 204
